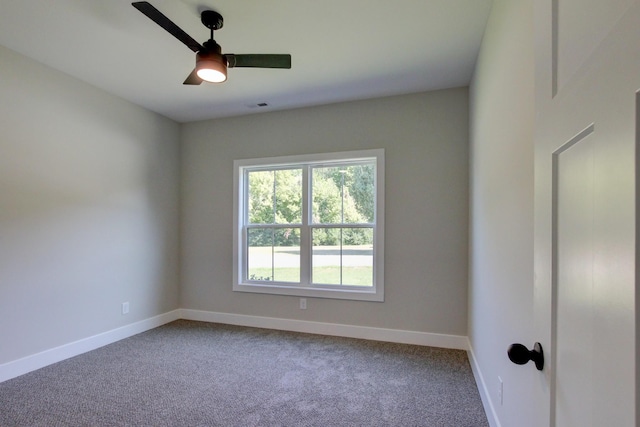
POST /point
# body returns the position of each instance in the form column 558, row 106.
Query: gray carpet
column 203, row 374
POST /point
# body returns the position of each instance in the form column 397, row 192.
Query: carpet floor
column 190, row 373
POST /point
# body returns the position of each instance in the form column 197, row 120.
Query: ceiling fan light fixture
column 211, row 67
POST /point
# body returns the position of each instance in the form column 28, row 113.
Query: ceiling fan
column 211, row 64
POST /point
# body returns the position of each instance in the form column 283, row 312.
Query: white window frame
column 372, row 293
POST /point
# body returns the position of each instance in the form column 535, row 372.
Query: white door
column 587, row 76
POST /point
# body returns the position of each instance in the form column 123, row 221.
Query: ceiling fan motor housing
column 211, row 47
column 211, row 52
column 205, row 56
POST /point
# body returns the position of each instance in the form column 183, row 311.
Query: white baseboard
column 363, row 332
column 39, row 360
column 487, row 402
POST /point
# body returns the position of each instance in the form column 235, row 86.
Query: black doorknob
column 521, row 355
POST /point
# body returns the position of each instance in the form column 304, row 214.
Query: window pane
column 275, row 196
column 286, row 255
column 326, row 195
column 260, row 254
column 326, row 261
column 357, row 256
column 273, row 255
column 261, row 184
column 288, row 196
column 343, row 256
column 359, row 193
column 343, row 194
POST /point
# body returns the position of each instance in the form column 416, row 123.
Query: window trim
column 374, row 293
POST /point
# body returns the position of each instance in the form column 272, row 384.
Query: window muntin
column 310, row 225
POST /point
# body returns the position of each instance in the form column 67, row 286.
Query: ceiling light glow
column 211, row 67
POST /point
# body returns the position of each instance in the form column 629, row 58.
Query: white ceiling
column 341, row 49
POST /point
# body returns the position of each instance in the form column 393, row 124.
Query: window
column 310, row 225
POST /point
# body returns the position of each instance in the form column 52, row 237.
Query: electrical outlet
column 125, row 307
column 303, row 303
column 500, row 390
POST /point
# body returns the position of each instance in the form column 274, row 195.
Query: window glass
column 343, row 256
column 343, row 194
column 273, row 255
column 275, row 196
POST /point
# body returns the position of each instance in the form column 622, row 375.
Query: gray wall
column 88, row 210
column 426, row 141
column 502, row 189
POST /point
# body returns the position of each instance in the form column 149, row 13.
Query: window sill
column 347, row 294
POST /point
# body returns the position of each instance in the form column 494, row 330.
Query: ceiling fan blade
column 156, row 16
column 193, row 79
column 259, row 60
